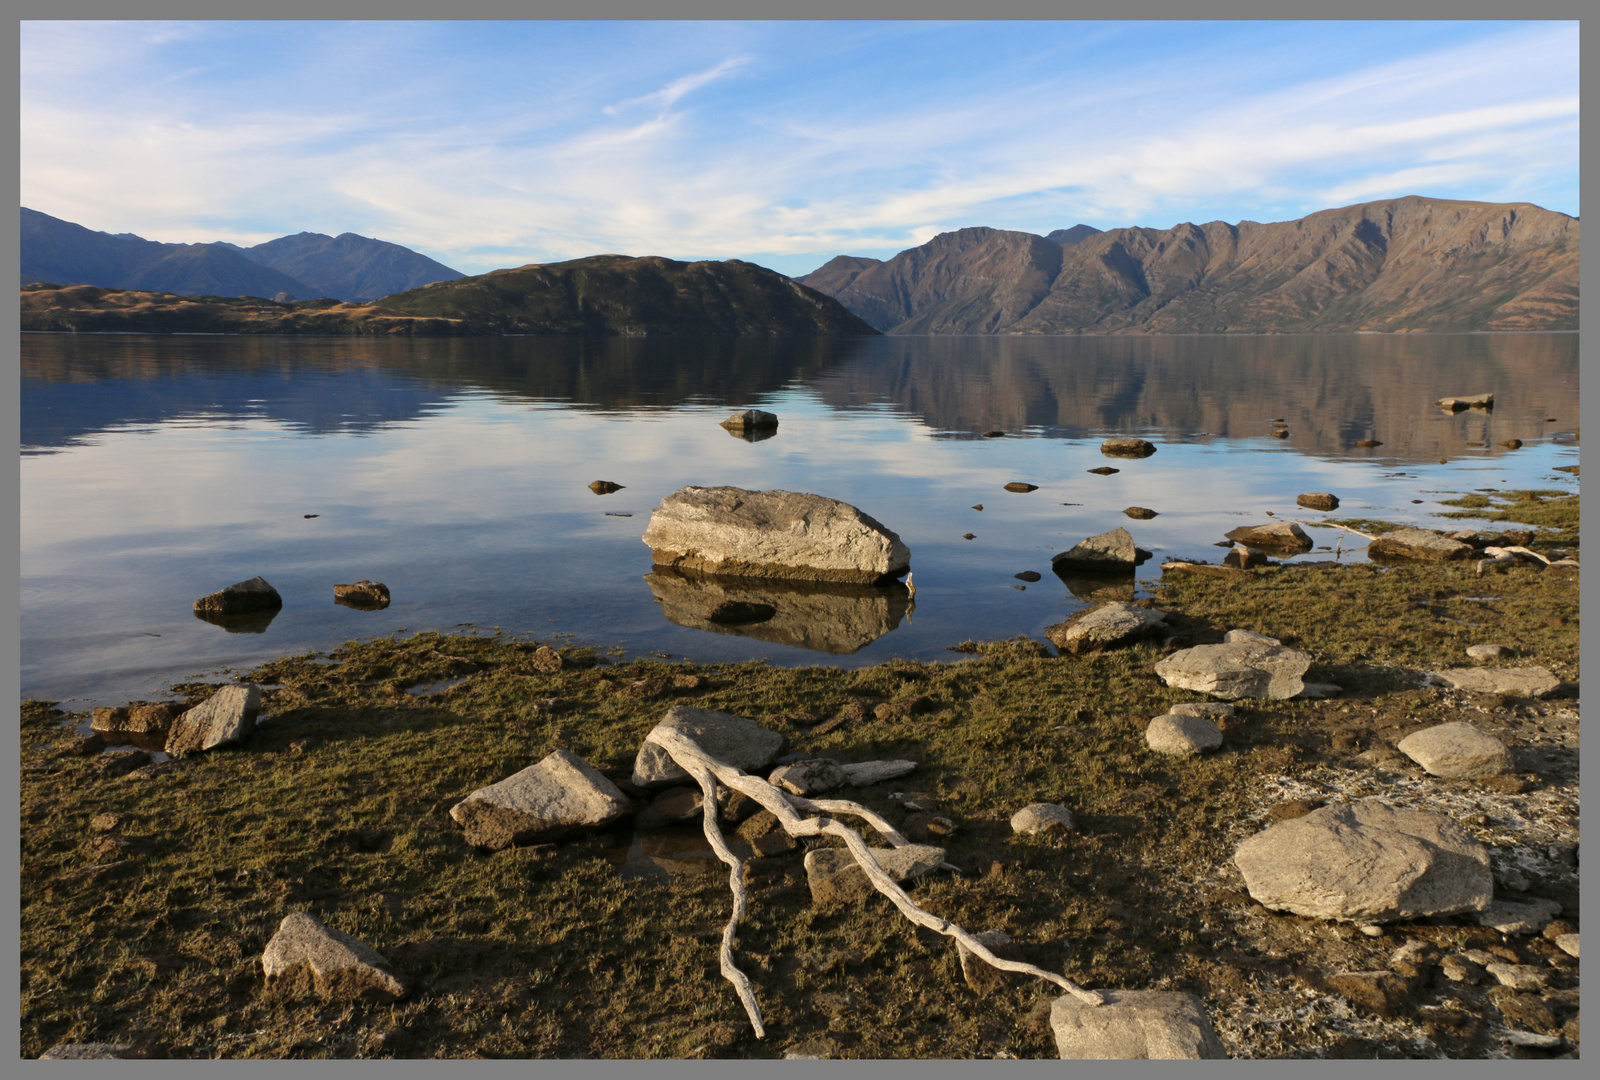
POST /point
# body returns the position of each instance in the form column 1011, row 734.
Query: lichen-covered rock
column 732, row 740
column 339, row 966
column 772, row 534
column 1367, row 862
column 226, row 718
column 556, row 797
column 1134, row 1025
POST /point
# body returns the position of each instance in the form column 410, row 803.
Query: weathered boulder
column 772, row 534
column 732, row 740
column 560, row 795
column 1457, row 751
column 812, row 776
column 1366, row 862
column 1134, row 1025
column 339, row 966
column 226, row 718
column 834, row 875
column 1530, row 682
column 862, row 773
column 1042, row 817
column 1469, row 401
column 1182, row 736
column 751, row 420
column 1105, row 627
column 1281, row 535
column 252, row 595
column 1127, row 447
column 1246, row 665
column 1417, row 545
column 1318, row 500
column 363, row 595
column 1110, row 552
column 1486, row 651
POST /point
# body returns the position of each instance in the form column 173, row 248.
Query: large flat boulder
column 560, row 795
column 1367, row 862
column 1530, row 682
column 1417, row 545
column 1105, row 627
column 226, row 718
column 772, row 534
column 834, row 874
column 732, row 740
column 1457, row 751
column 1244, row 666
column 1134, row 1025
column 1278, row 535
column 1108, row 553
column 338, row 965
column 252, row 595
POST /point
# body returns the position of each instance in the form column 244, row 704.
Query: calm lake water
column 158, row 469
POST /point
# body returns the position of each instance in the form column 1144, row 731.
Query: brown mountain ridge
column 1408, row 264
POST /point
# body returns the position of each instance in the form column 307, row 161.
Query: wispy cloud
column 668, row 95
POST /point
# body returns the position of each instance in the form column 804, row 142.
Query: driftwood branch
column 709, row 772
column 1333, row 525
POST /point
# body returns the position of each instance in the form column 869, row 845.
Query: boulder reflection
column 244, row 622
column 825, row 617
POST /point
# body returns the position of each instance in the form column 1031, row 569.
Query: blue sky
column 496, row 144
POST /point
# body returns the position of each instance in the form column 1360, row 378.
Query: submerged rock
column 1246, row 665
column 339, row 965
column 772, row 534
column 556, row 797
column 1366, row 862
column 1134, row 1025
column 243, row 596
column 1318, row 500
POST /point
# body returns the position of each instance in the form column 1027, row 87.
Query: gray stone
column 339, row 965
column 1134, row 1024
column 1318, row 500
column 1213, row 709
column 1470, row 401
column 560, row 795
column 862, row 773
column 101, row 1051
column 1531, row 682
column 1519, row 976
column 834, row 875
column 732, row 740
column 1568, row 943
column 1284, row 535
column 1105, row 627
column 1244, row 666
column 1366, row 862
column 752, row 419
column 1182, row 736
column 226, row 718
column 1042, row 817
column 1110, row 552
column 772, row 534
column 1121, row 446
column 1417, row 545
column 252, row 595
column 1510, row 917
column 1457, row 751
column 810, row 777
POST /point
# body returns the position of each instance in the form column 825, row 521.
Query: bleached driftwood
column 1335, row 525
column 708, row 772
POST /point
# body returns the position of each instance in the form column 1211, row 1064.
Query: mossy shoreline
column 338, row 806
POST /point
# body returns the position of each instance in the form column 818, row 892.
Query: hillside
column 348, row 266
column 1410, row 264
column 624, row 295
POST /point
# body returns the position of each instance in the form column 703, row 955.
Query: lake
column 158, row 469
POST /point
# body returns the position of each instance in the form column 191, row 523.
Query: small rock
column 226, row 718
column 368, row 595
column 1457, row 751
column 670, row 807
column 1533, row 1040
column 1104, row 470
column 751, row 419
column 812, row 777
column 1318, row 500
column 969, row 536
column 1469, row 401
column 1412, row 544
column 1042, row 817
column 1285, row 535
column 1460, row 969
column 1134, row 1024
column 1021, row 488
column 1316, row 691
column 1217, row 710
column 1415, row 951
column 117, row 763
column 811, row 1050
column 111, row 822
column 339, row 965
column 101, row 1051
column 1512, row 444
column 1519, row 976
column 559, row 795
column 1140, row 512
column 1528, row 682
column 252, row 595
column 1368, row 443
column 604, row 487
column 1104, row 627
column 1182, row 736
column 1509, row 917
column 1568, row 943
column 1028, row 576
column 1242, row 558
column 1488, row 652
column 862, row 773
column 547, row 659
column 1127, row 447
column 1372, row 931
column 1240, row 667
column 834, row 875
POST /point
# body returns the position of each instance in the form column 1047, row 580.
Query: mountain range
column 1408, row 264
column 304, row 266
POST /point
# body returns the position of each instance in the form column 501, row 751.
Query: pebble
column 1519, row 976
column 1568, row 943
column 1372, row 931
column 1488, row 651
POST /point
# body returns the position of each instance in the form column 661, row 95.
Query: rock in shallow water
column 252, row 595
column 226, row 718
column 1419, row 545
